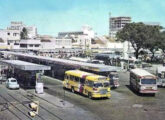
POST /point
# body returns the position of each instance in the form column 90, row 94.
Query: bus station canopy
column 83, row 65
column 22, row 65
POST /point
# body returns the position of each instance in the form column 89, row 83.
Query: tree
column 24, row 33
column 1, row 40
column 161, row 42
column 135, row 34
column 140, row 36
column 152, row 42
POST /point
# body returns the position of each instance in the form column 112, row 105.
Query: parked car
column 12, row 83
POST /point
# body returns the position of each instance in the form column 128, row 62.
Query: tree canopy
column 140, row 36
column 24, row 33
column 161, row 42
column 1, row 40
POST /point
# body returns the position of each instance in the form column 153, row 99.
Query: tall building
column 116, row 24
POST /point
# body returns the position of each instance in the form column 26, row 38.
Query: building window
column 8, row 33
column 23, row 45
column 16, row 43
column 37, row 45
column 14, row 34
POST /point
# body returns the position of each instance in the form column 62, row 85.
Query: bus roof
column 141, row 72
column 96, row 77
column 77, row 73
column 89, row 76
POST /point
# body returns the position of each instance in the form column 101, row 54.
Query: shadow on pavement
column 137, row 93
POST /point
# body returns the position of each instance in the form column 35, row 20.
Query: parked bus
column 91, row 85
column 111, row 74
column 143, row 81
column 160, row 73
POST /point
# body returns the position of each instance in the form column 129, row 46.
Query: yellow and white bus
column 143, row 81
column 91, row 85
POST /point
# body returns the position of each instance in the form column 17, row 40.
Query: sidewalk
column 53, row 100
column 63, row 109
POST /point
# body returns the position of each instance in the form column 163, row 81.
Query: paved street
column 14, row 105
column 57, row 104
column 124, row 104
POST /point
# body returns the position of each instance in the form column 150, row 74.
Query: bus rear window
column 148, row 81
column 13, row 81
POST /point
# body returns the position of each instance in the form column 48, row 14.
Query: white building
column 54, row 43
column 30, row 44
column 116, row 24
column 12, row 33
column 80, row 39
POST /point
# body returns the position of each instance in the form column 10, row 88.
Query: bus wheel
column 72, row 89
column 153, row 94
column 89, row 95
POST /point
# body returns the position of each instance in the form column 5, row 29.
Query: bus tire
column 130, row 85
column 89, row 95
column 72, row 89
column 153, row 94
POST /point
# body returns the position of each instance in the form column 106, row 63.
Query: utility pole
column 109, row 20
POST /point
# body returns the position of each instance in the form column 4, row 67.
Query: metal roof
column 88, row 66
column 25, row 65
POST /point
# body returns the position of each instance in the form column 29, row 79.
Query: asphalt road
column 123, row 105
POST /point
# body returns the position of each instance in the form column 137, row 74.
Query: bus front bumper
column 98, row 95
column 148, row 91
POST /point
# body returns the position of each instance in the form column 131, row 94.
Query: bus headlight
column 142, row 87
column 154, row 88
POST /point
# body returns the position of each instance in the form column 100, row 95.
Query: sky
column 53, row 16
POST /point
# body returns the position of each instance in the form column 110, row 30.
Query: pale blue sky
column 53, row 16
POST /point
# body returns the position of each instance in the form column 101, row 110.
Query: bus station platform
column 26, row 73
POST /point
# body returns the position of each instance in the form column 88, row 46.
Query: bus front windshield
column 105, row 84
column 148, row 81
column 97, row 85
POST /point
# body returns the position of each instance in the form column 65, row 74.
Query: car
column 12, row 83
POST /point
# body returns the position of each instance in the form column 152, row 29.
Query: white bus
column 143, row 81
column 160, row 73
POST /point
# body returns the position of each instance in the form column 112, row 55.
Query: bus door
column 81, row 84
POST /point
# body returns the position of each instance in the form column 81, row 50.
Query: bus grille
column 103, row 91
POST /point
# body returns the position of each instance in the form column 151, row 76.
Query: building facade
column 54, row 43
column 116, row 24
column 80, row 39
column 13, row 32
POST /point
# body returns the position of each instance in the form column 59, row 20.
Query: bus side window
column 77, row 79
column 90, row 83
column 86, row 82
column 72, row 78
column 159, row 75
column 82, row 80
column 65, row 77
column 68, row 77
